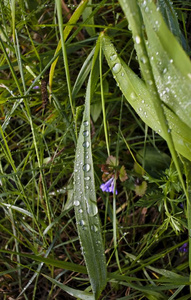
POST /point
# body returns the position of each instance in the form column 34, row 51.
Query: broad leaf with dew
column 85, row 203
column 136, row 92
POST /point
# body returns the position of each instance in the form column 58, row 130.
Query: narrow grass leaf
column 85, row 203
column 19, row 209
column 82, row 75
column 86, row 13
column 73, row 292
column 137, row 94
column 50, row 261
column 71, row 23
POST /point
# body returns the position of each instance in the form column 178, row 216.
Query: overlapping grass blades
column 85, row 205
column 171, row 66
column 74, row 18
column 137, row 94
column 162, row 98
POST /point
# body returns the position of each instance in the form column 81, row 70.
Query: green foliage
column 94, row 204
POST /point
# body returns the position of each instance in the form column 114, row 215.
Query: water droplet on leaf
column 76, row 202
column 116, row 68
column 86, row 123
column 113, row 57
column 85, row 133
column 94, row 228
column 86, row 167
column 137, row 39
column 86, row 144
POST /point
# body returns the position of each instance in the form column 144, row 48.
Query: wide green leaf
column 171, row 66
column 137, row 94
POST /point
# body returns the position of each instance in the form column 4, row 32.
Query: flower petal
column 106, row 186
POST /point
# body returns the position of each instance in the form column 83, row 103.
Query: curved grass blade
column 137, row 94
column 71, row 291
column 85, row 70
column 50, row 261
column 85, row 204
column 74, row 18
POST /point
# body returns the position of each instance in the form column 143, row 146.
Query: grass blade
column 76, row 15
column 86, row 210
column 73, row 292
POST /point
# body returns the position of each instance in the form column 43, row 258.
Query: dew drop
column 76, row 202
column 146, row 9
column 81, row 223
column 86, row 123
column 113, row 57
column 133, row 96
column 143, row 101
column 144, row 59
column 80, row 211
column 85, row 133
column 116, row 68
column 87, row 178
column 86, row 144
column 165, row 70
column 150, row 82
column 86, row 167
column 137, row 39
column 144, row 3
column 171, row 61
column 122, row 74
column 94, row 228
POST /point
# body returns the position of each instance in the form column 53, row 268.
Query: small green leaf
column 112, row 161
column 141, row 189
column 123, row 174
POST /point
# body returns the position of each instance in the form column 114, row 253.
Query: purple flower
column 108, row 186
column 184, row 248
column 36, row 87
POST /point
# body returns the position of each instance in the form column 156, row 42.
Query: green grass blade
column 13, row 17
column 140, row 99
column 86, row 13
column 50, row 261
column 60, row 24
column 85, row 70
column 76, row 15
column 85, row 203
column 73, row 292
